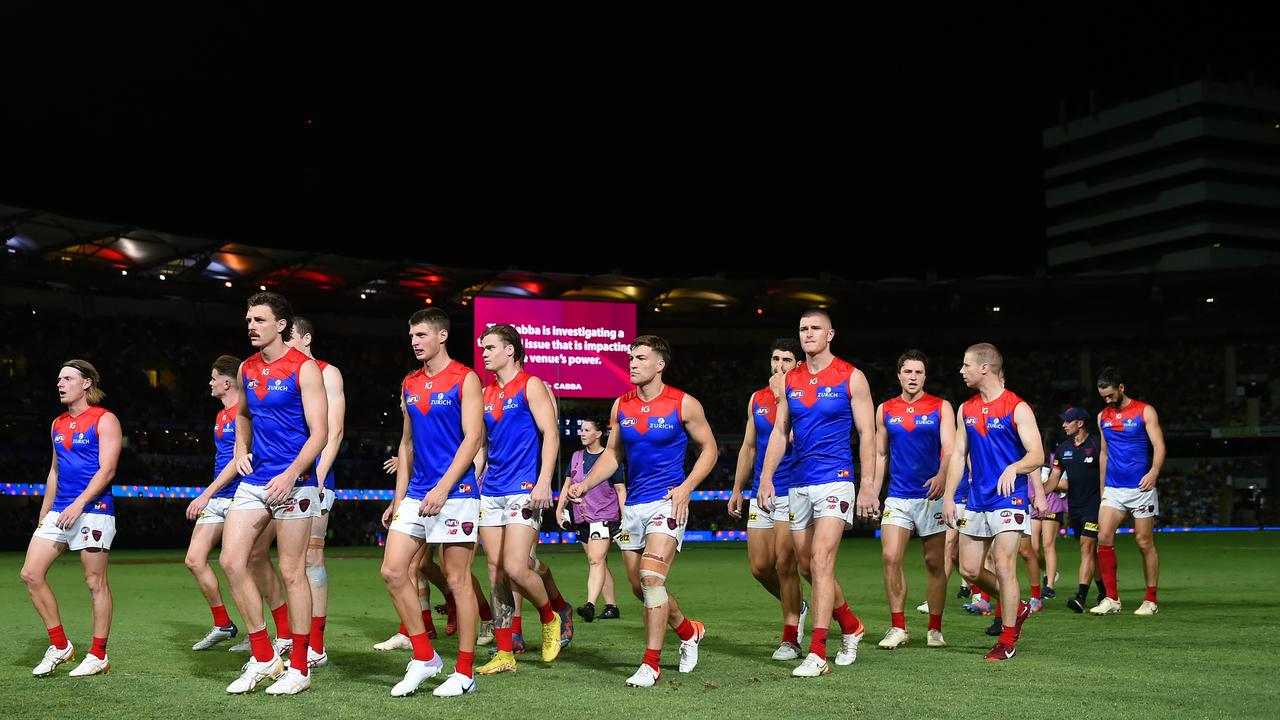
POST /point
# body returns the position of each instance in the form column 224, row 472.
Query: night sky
column 866, row 144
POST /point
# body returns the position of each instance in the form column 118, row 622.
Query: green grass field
column 1209, row 653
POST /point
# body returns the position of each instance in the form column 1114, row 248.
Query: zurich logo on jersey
column 277, row 385
column 925, row 420
column 828, row 393
column 440, row 399
column 510, row 404
column 660, row 423
column 80, row 439
column 994, row 424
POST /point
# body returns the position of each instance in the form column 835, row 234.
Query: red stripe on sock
column 818, row 643
column 260, row 644
column 1151, row 594
column 317, row 633
column 516, row 626
column 99, row 648
column 503, row 637
column 1009, row 636
column 281, row 616
column 849, row 623
column 791, row 634
column 1035, row 592
column 298, row 656
column 1107, row 568
column 58, row 637
column 899, row 620
column 422, row 649
column 427, row 620
column 403, row 630
column 558, row 604
column 935, row 622
column 465, row 661
column 652, row 657
column 685, row 630
column 220, row 616
column 546, row 614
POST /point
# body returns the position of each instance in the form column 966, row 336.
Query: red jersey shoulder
column 764, row 398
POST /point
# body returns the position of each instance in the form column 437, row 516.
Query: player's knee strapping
column 654, row 566
column 317, row 576
column 315, row 543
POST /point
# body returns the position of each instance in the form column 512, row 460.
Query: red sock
column 685, row 630
column 652, row 658
column 557, row 603
column 58, row 637
column 422, row 649
column 1009, row 636
column 516, row 626
column 317, row 633
column 281, row 615
column 849, row 623
column 546, row 614
column 428, row 621
column 404, row 630
column 220, row 616
column 791, row 634
column 99, row 648
column 899, row 620
column 486, row 613
column 1035, row 592
column 935, row 622
column 1151, row 593
column 818, row 643
column 298, row 656
column 1107, row 568
column 464, row 662
column 503, row 637
column 260, row 644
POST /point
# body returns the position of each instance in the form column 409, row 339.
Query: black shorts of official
column 1084, row 524
column 584, row 531
column 1052, row 517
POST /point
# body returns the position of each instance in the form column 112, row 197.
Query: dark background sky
column 869, row 143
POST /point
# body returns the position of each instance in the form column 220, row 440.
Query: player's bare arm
column 315, row 409
column 746, row 459
column 765, row 495
column 403, row 466
column 955, row 471
column 695, row 424
column 244, row 432
column 947, row 433
column 1152, row 421
column 882, row 452
column 50, row 485
column 868, row 503
column 336, row 396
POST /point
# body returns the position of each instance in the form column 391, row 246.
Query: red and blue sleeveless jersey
column 328, row 478
column 224, row 447
column 514, row 442
column 273, row 392
column 915, row 444
column 994, row 445
column 1128, row 447
column 764, row 414
column 75, row 440
column 655, row 440
column 821, row 423
column 434, row 405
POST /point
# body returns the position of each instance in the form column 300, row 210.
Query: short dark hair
column 280, row 308
column 1110, row 377
column 913, row 354
column 508, row 335
column 94, row 395
column 790, row 345
column 227, row 365
column 302, row 326
column 435, row 317
column 655, row 343
column 817, row 312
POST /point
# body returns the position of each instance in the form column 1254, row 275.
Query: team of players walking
column 475, row 464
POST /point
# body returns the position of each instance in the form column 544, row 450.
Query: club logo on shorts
column 671, row 523
column 961, row 522
column 1018, row 518
column 844, row 506
column 467, row 527
column 526, row 513
column 885, row 515
column 1091, row 526
column 624, row 537
column 1148, row 508
column 97, row 535
column 304, row 504
column 751, row 517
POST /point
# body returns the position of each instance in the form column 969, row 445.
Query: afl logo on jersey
column 797, row 394
column 628, row 422
column 412, row 399
column 970, row 421
column 895, row 420
column 762, row 411
column 59, row 438
column 488, row 407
